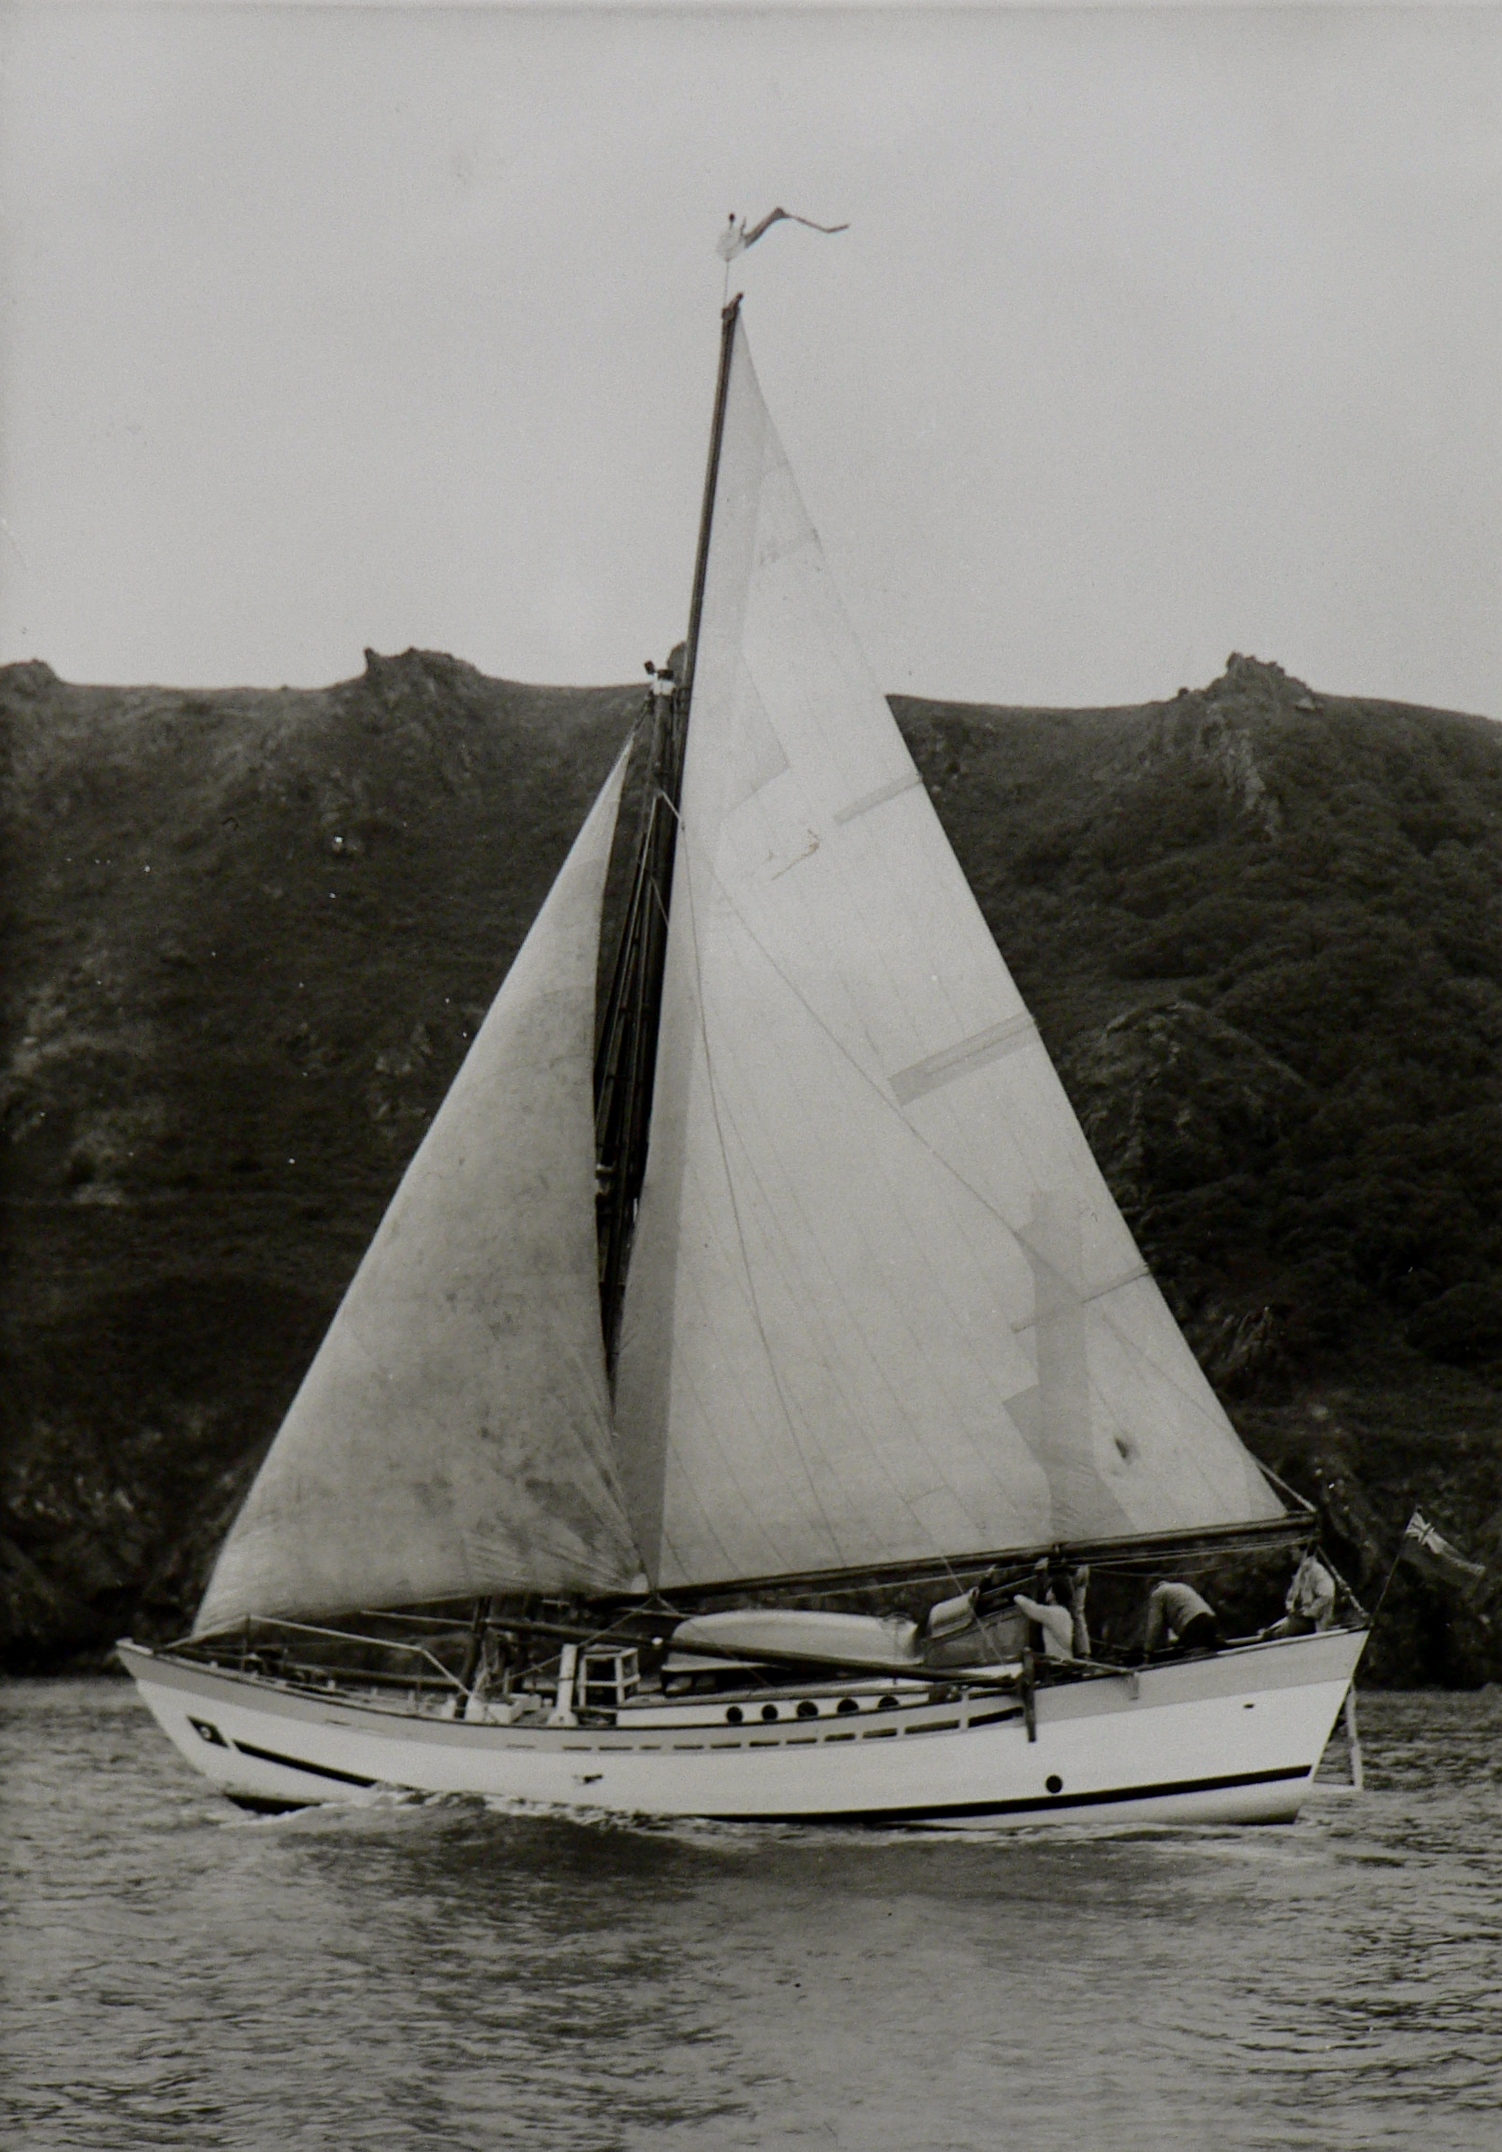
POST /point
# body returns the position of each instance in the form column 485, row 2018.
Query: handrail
column 273, row 1622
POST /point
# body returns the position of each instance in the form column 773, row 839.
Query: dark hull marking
column 295, row 1763
column 1050, row 1803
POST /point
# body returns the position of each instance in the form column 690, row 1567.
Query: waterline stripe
column 1053, row 1803
column 295, row 1763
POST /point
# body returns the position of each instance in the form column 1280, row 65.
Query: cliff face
column 248, row 938
column 248, row 935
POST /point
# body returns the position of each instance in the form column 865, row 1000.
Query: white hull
column 1233, row 1738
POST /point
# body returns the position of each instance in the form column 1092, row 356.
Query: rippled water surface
column 437, row 1974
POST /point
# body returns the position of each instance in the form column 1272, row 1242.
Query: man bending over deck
column 1178, row 1617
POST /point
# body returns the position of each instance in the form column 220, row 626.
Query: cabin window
column 847, row 1704
column 808, row 1709
column 770, row 1711
column 734, row 1715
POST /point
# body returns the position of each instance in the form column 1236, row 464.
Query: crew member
column 1310, row 1603
column 1177, row 1616
column 1056, row 1621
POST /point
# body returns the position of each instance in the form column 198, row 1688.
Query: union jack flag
column 1426, row 1550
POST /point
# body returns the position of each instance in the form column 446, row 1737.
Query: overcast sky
column 1155, row 335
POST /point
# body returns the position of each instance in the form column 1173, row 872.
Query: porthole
column 734, row 1715
column 1054, row 1783
column 886, row 1703
column 847, row 1704
column 769, row 1711
column 808, row 1709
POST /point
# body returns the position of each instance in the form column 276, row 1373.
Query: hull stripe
column 294, row 1763
column 1049, row 1803
column 1052, row 1803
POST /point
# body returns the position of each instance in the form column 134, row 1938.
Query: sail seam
column 941, row 1480
column 735, row 1209
column 918, row 1136
column 923, row 1527
column 865, row 1075
column 940, row 1483
column 1135, row 1345
column 727, row 1461
column 1130, row 1346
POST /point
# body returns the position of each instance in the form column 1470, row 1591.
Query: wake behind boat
column 727, row 1361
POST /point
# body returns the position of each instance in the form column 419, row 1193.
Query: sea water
column 441, row 1974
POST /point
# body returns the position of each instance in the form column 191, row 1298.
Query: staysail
column 881, row 1304
column 452, row 1436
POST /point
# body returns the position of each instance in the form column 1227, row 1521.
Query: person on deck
column 1310, row 1603
column 1079, row 1584
column 1177, row 1617
column 1065, row 1635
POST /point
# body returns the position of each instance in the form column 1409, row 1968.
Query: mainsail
column 452, row 1436
column 881, row 1305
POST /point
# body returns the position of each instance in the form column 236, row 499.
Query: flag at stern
column 1434, row 1556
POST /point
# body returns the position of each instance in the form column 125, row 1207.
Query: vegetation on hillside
column 249, row 934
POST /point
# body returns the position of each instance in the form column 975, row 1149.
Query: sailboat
column 742, row 1337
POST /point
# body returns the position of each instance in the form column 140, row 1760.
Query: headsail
column 452, row 1437
column 881, row 1304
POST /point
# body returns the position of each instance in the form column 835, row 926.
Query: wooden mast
column 626, row 1061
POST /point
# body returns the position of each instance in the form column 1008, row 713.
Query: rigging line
column 866, row 1077
column 895, row 1111
column 735, row 1210
column 1165, row 1375
column 925, row 1530
column 864, row 1074
column 916, row 1133
column 726, row 1458
column 939, row 1483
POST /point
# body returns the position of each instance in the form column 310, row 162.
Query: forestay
column 452, row 1437
column 881, row 1304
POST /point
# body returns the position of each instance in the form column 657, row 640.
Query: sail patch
column 777, row 545
column 879, row 797
column 956, row 1061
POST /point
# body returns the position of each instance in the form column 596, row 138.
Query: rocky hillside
column 248, row 935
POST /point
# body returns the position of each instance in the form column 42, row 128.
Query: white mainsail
column 452, row 1436
column 881, row 1305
